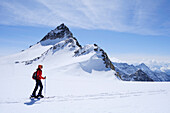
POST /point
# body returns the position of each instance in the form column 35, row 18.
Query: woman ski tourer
column 37, row 76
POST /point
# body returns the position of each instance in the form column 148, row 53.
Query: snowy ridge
column 69, row 44
column 125, row 68
column 99, row 53
column 94, row 63
column 86, row 50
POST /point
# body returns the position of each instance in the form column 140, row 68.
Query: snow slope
column 81, row 92
column 78, row 81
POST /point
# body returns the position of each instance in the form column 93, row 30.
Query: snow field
column 82, row 94
column 76, row 85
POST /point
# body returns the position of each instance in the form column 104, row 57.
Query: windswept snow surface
column 75, row 85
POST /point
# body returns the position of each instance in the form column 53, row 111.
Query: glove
column 45, row 77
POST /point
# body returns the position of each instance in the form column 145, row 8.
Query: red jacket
column 39, row 74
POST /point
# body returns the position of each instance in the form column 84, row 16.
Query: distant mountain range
column 135, row 73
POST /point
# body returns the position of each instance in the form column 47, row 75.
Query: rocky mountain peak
column 62, row 27
column 140, row 76
column 142, row 64
column 143, row 67
column 60, row 33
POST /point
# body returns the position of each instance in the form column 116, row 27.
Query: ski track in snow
column 94, row 97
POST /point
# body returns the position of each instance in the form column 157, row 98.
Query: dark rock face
column 139, row 76
column 77, row 43
column 59, row 32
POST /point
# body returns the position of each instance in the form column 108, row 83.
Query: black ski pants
column 38, row 84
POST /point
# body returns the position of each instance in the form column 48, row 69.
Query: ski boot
column 33, row 96
column 40, row 96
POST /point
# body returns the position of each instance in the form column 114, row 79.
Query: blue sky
column 122, row 28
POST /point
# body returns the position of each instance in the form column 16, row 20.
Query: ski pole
column 45, row 87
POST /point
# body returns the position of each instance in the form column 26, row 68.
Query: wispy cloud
column 140, row 58
column 133, row 16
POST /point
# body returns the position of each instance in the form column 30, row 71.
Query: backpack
column 34, row 76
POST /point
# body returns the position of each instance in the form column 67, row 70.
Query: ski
column 49, row 97
column 42, row 98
